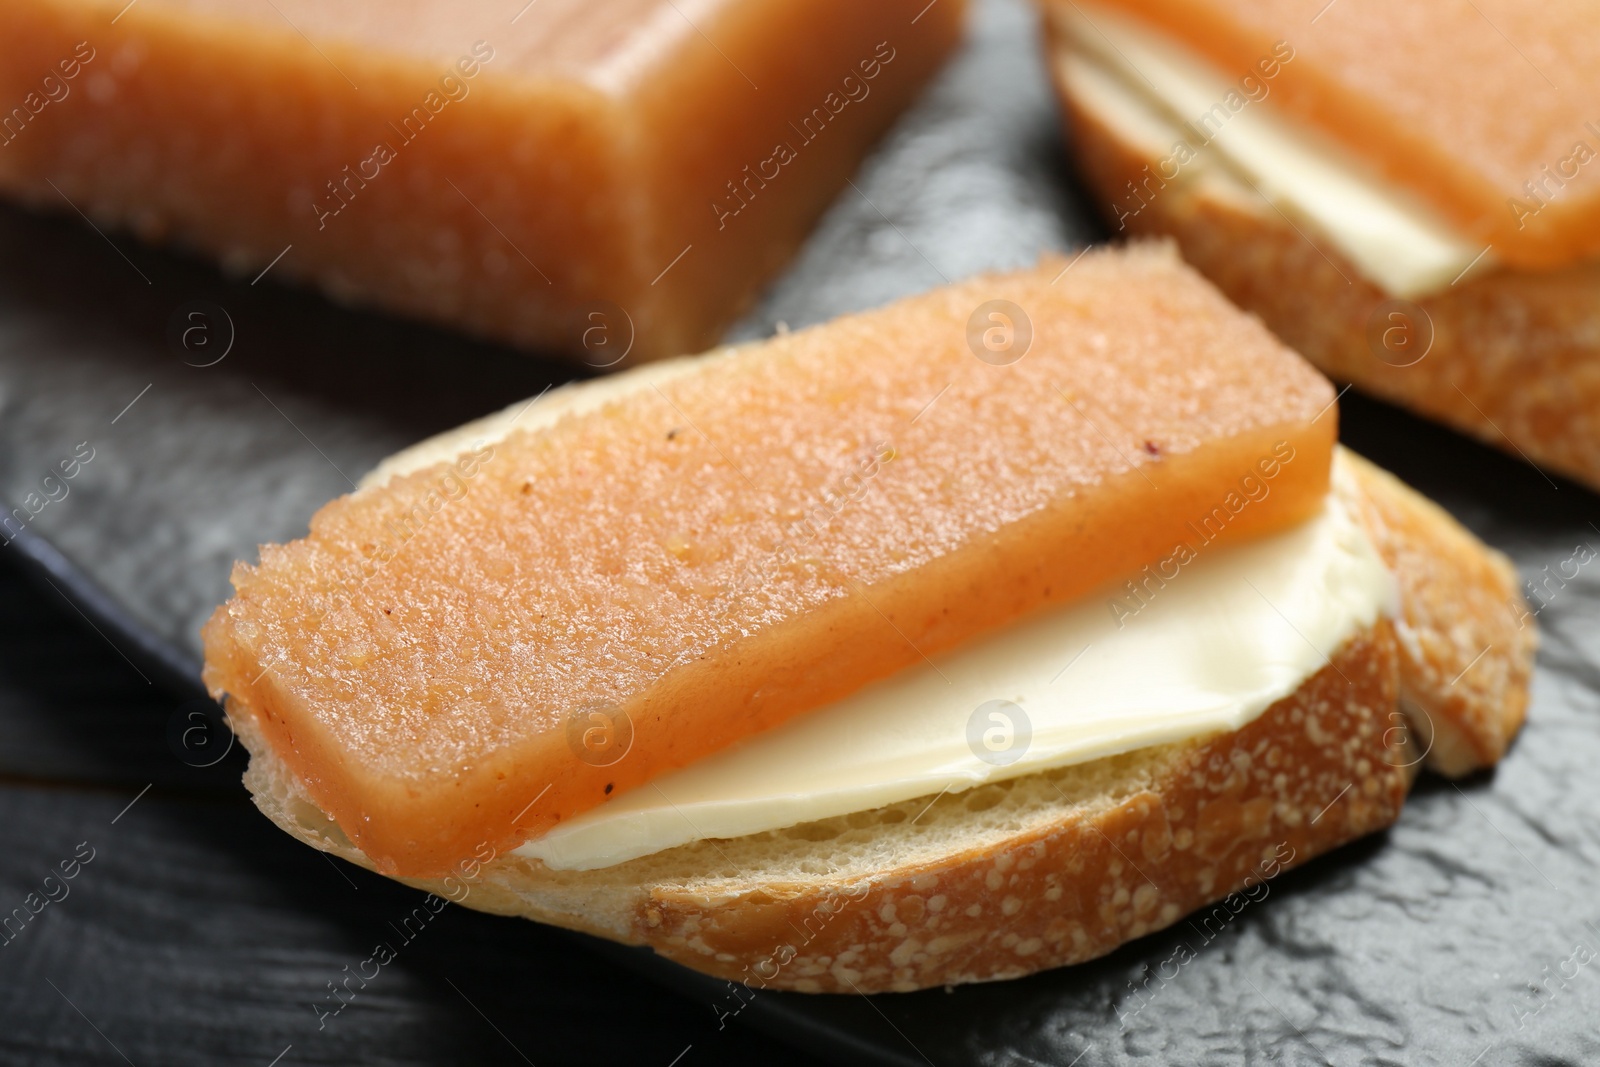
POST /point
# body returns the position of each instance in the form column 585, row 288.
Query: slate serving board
column 1462, row 936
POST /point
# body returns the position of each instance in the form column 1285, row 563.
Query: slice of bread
column 1514, row 356
column 1059, row 867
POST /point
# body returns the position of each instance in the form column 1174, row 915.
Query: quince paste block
column 596, row 178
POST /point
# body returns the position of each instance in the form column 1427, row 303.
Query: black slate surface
column 199, row 934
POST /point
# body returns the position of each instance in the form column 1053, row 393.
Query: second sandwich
column 1398, row 191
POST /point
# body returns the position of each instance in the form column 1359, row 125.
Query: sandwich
column 1401, row 193
column 946, row 642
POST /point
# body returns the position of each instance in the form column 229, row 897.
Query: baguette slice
column 700, row 558
column 1512, row 357
column 1059, row 867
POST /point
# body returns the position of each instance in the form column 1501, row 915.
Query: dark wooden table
column 192, row 931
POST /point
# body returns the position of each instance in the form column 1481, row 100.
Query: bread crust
column 1515, row 355
column 1197, row 821
column 1466, row 638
